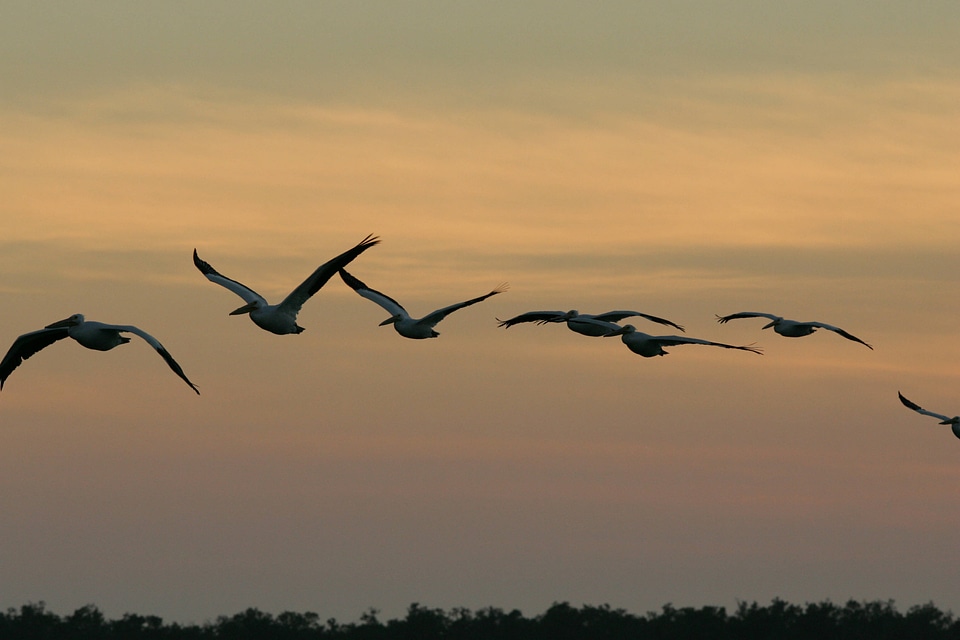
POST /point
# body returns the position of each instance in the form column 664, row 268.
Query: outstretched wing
column 912, row 405
column 242, row 290
column 27, row 345
column 839, row 331
column 746, row 314
column 617, row 316
column 392, row 306
column 672, row 341
column 153, row 342
column 324, row 272
column 540, row 317
column 433, row 318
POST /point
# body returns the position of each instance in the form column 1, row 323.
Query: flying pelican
column 954, row 422
column 92, row 335
column 575, row 320
column 791, row 328
column 406, row 326
column 281, row 318
column 649, row 346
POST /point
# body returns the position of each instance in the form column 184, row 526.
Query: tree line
column 779, row 620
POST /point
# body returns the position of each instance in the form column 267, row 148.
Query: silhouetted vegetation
column 777, row 621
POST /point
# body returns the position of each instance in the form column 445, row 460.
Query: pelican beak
column 617, row 332
column 68, row 322
column 247, row 308
column 389, row 320
column 768, row 325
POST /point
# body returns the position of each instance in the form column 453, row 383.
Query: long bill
column 66, row 322
column 247, row 308
column 617, row 332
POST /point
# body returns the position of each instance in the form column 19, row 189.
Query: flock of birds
column 281, row 319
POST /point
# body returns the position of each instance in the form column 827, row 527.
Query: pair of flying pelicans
column 281, row 319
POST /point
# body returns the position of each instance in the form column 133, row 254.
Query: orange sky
column 691, row 172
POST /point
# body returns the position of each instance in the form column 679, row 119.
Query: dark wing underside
column 322, row 274
column 745, row 314
column 27, row 345
column 540, row 317
column 617, row 316
column 438, row 315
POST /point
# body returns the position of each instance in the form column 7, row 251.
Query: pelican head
column 247, row 308
column 772, row 323
column 573, row 313
column 627, row 328
column 72, row 321
column 391, row 320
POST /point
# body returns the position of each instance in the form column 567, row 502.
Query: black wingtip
column 351, row 281
column 907, row 403
column 202, row 265
column 369, row 241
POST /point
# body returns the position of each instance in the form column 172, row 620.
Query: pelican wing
column 393, row 307
column 912, row 405
column 839, row 331
column 438, row 315
column 242, row 290
column 153, row 342
column 324, row 272
column 617, row 316
column 540, row 317
column 672, row 341
column 27, row 345
column 746, row 314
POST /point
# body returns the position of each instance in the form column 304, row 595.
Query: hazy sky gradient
column 683, row 160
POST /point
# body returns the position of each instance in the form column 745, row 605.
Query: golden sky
column 681, row 161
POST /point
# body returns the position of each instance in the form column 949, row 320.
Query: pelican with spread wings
column 414, row 328
column 648, row 346
column 281, row 318
column 92, row 335
column 791, row 328
column 577, row 321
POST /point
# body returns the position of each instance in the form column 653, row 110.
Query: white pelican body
column 92, row 335
column 954, row 422
column 414, row 328
column 579, row 322
column 281, row 319
column 649, row 346
column 791, row 328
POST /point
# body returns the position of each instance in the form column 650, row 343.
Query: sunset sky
column 682, row 159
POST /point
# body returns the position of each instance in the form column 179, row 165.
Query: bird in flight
column 414, row 328
column 92, row 335
column 575, row 320
column 791, row 328
column 281, row 318
column 648, row 346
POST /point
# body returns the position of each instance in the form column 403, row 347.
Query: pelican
column 416, row 329
column 954, row 422
column 791, row 328
column 575, row 320
column 92, row 335
column 281, row 319
column 649, row 346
